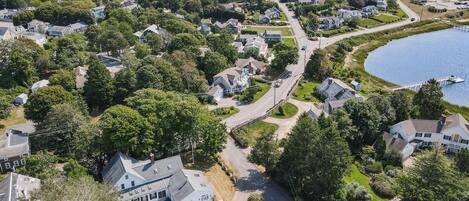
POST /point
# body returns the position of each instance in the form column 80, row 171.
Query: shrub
column 240, row 137
column 375, row 168
column 247, row 31
column 355, row 192
column 308, row 97
column 281, row 111
column 382, row 186
column 393, row 158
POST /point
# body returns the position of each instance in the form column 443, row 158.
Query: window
column 132, row 183
column 122, row 186
column 161, row 194
column 427, row 135
column 153, row 196
column 418, row 134
column 7, row 165
column 463, row 141
column 23, row 161
column 446, row 137
column 16, row 163
column 126, row 176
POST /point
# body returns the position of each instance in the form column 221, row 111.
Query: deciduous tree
column 266, row 152
column 429, row 100
column 63, row 78
column 41, row 102
column 99, row 86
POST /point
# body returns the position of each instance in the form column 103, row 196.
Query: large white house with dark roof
column 164, row 179
column 451, row 133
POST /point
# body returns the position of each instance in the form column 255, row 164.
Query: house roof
column 229, row 74
column 335, row 89
column 16, row 141
column 61, row 29
column 420, row 125
column 241, row 63
column 16, row 186
column 456, row 120
column 184, row 182
column 77, row 25
column 147, row 170
column 3, row 30
column 39, row 84
column 395, row 143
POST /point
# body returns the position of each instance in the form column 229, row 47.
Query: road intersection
column 250, row 179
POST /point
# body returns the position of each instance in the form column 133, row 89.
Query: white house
column 370, row 11
column 451, row 133
column 21, row 99
column 314, row 2
column 164, row 179
column 326, row 23
column 259, row 44
column 233, row 25
column 348, row 15
column 272, row 36
column 56, row 31
column 336, row 93
column 269, row 14
column 18, row 187
column 78, row 27
column 141, row 35
column 38, row 26
column 381, row 4
column 99, row 12
column 7, row 14
column 232, row 80
column 39, row 84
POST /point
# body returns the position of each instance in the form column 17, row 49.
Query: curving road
column 251, row 179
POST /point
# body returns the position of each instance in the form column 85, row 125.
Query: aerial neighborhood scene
column 234, row 100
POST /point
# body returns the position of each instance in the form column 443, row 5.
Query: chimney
column 152, row 157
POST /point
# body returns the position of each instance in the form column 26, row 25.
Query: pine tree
column 99, row 86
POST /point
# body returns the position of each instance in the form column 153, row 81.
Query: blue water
column 424, row 56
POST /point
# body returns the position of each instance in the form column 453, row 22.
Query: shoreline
column 369, row 42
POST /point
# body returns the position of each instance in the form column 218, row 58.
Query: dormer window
column 126, row 176
column 418, row 134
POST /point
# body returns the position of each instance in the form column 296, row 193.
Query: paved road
column 250, row 178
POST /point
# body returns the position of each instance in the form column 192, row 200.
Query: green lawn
column 256, row 129
column 264, row 89
column 289, row 110
column 225, row 112
column 398, row 13
column 368, row 22
column 386, row 18
column 306, row 88
column 289, row 41
column 286, row 31
column 363, row 180
column 283, row 17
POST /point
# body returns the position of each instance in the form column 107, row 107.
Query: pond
column 424, row 56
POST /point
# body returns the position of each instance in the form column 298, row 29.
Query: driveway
column 286, row 125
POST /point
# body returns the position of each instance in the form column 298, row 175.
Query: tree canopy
column 429, row 101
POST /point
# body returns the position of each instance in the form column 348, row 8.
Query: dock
column 462, row 28
column 442, row 81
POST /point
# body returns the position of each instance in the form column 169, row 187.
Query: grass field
column 286, row 31
column 283, row 17
column 289, row 110
column 363, row 180
column 386, row 18
column 368, row 22
column 306, row 88
column 289, row 41
column 398, row 13
column 16, row 117
column 256, row 129
column 264, row 89
column 225, row 112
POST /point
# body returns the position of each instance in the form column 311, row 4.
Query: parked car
column 412, row 19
